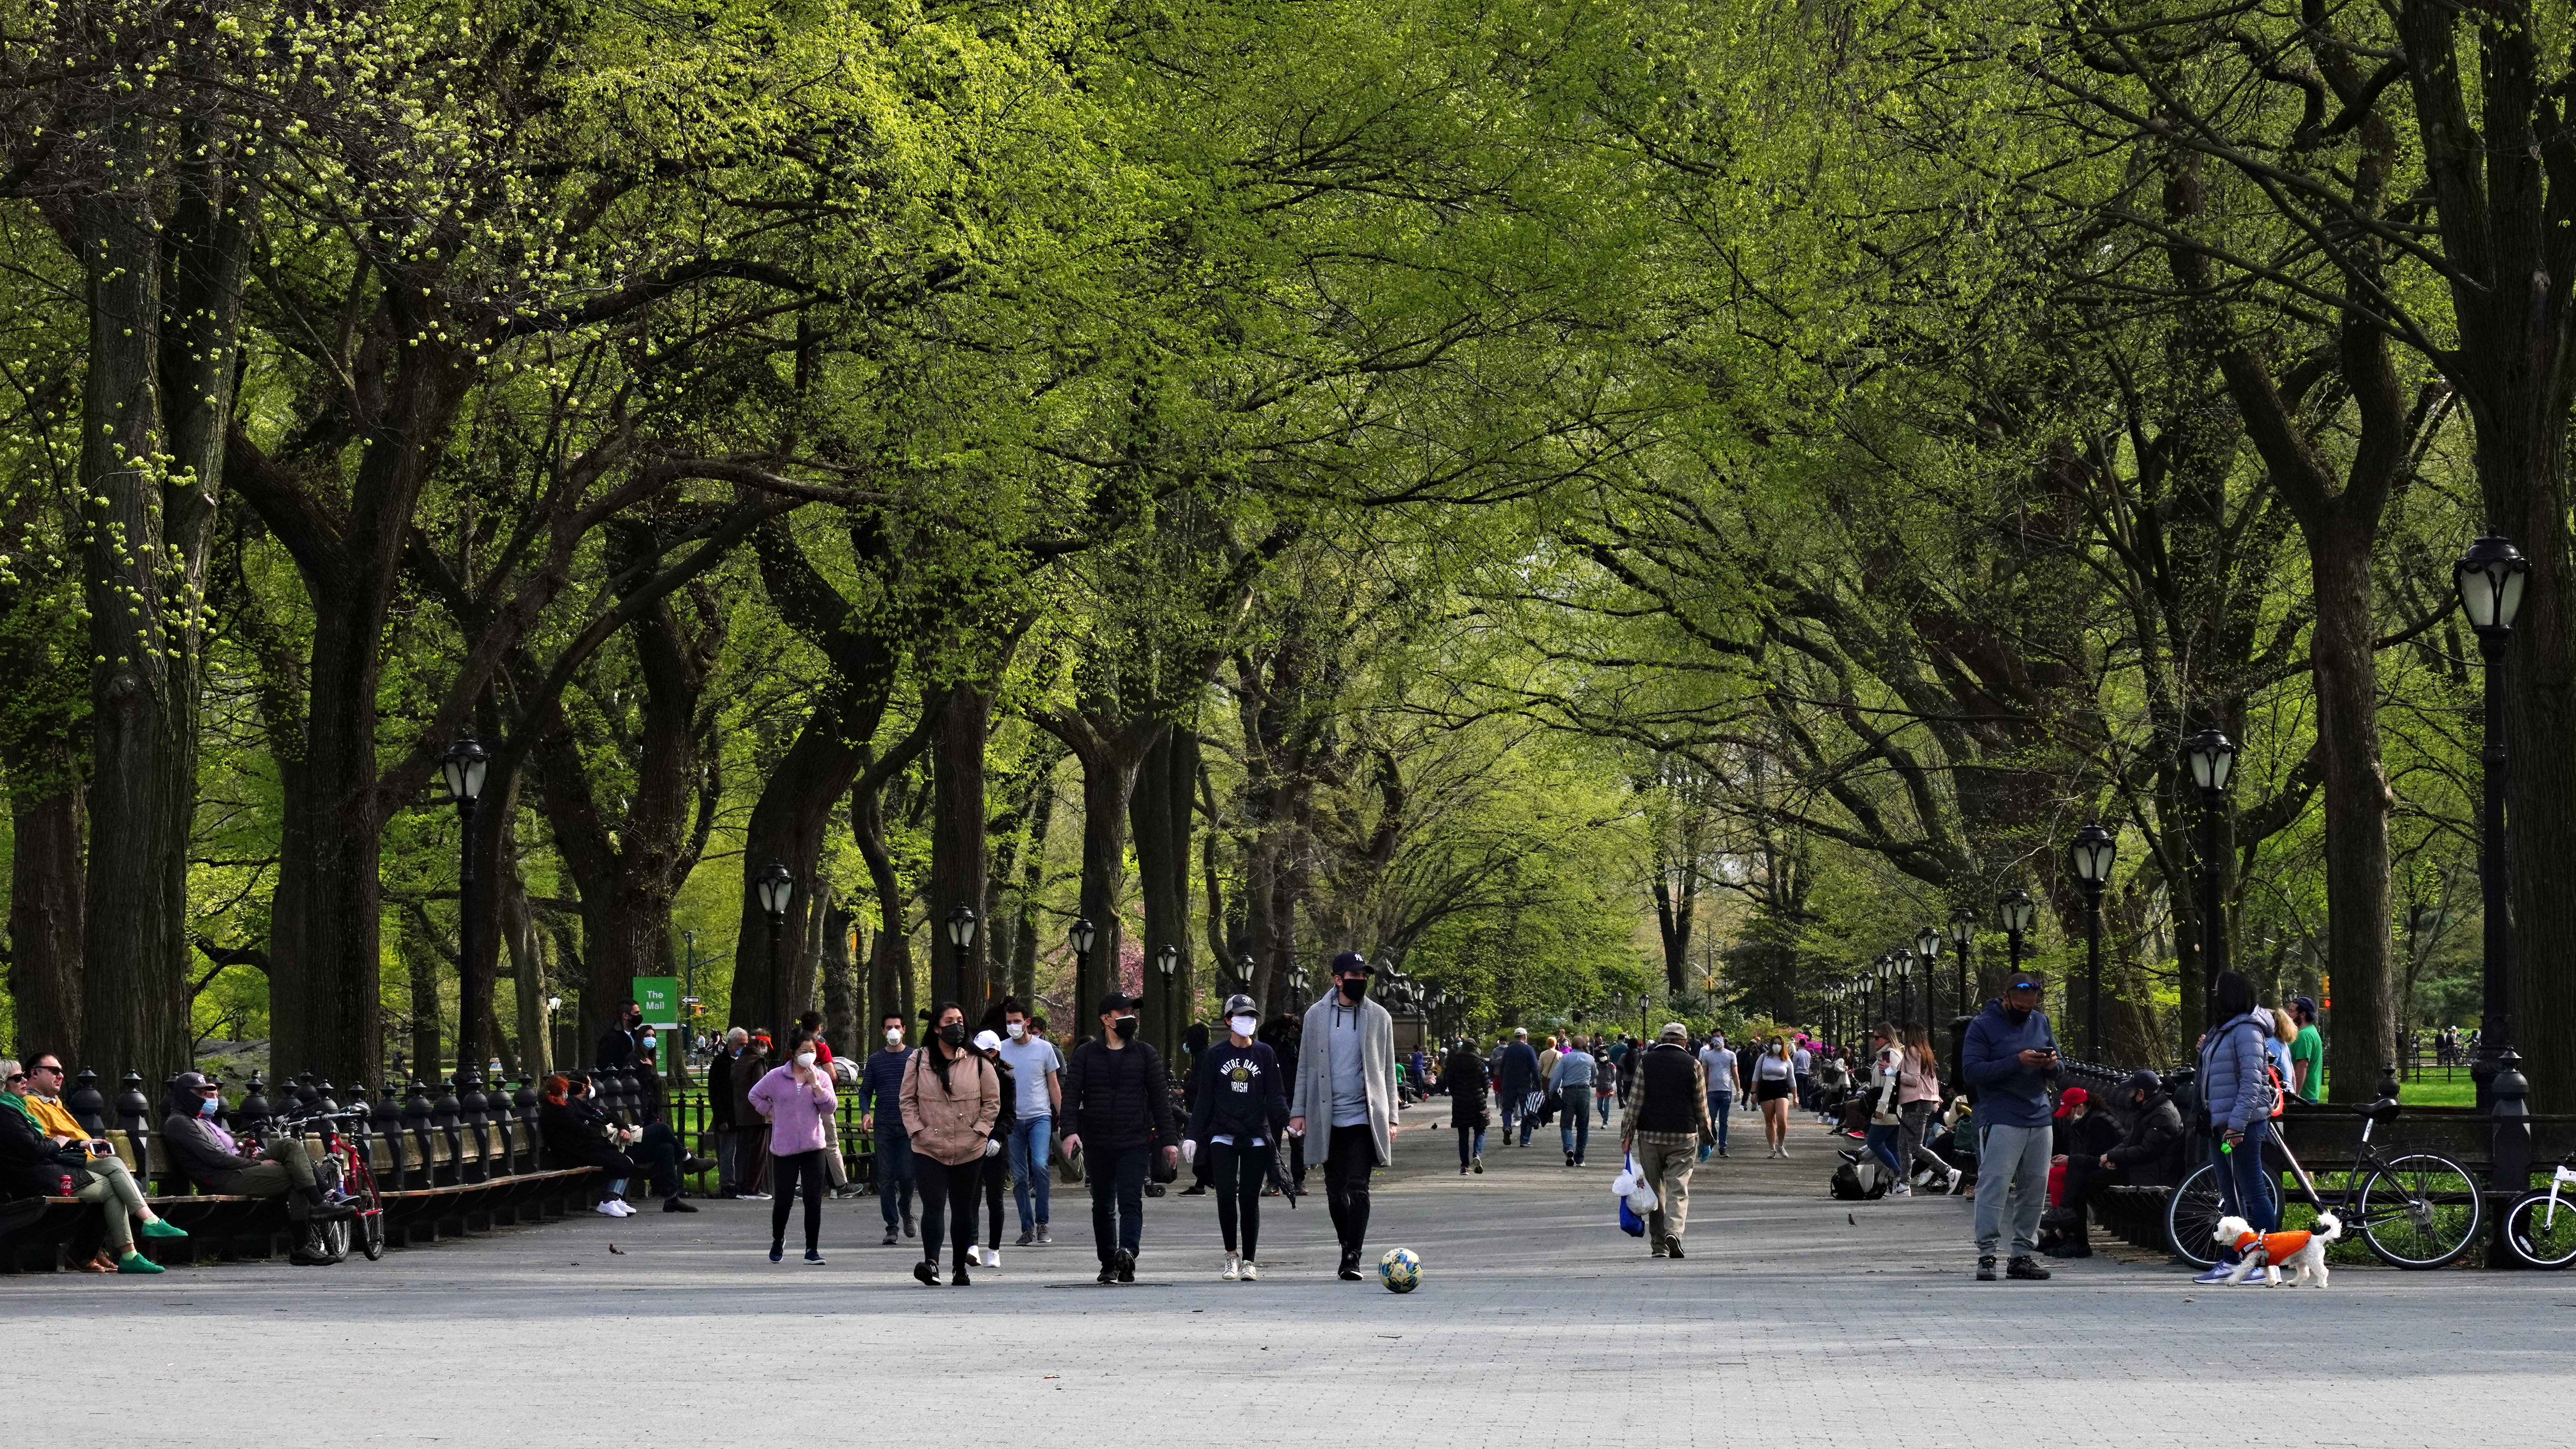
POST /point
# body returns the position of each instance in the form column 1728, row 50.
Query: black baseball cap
column 1113, row 1003
column 1350, row 961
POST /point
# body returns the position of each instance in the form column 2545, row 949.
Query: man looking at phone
column 2011, row 1055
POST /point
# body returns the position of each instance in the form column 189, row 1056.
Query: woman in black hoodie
column 1464, row 1075
column 1237, row 1115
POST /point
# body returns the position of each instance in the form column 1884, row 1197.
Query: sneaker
column 1672, row 1245
column 2026, row 1269
column 1956, row 1177
column 889, row 1238
column 163, row 1228
column 1902, row 1189
column 814, row 1257
column 1044, row 1238
column 1126, row 1266
column 753, row 1196
column 1986, row 1270
column 1784, row 1149
column 907, row 1225
column 1462, row 1172
column 1721, row 1152
column 1349, row 1272
column 1109, row 1271
column 1251, row 1271
column 2256, row 1280
column 674, row 1205
column 992, row 1257
column 777, row 1253
column 137, row 1263
column 608, row 1209
column 958, row 1279
column 1027, row 1238
column 1660, row 1250
column 2214, row 1273
column 1480, row 1162
column 1196, row 1189
column 926, row 1275
column 1233, row 1268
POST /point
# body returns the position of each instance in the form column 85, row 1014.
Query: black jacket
column 1238, row 1092
column 31, row 1163
column 1464, row 1075
column 1118, row 1098
column 719, row 1086
column 1009, row 1116
column 2154, row 1131
column 616, row 1049
column 194, row 1152
column 572, row 1134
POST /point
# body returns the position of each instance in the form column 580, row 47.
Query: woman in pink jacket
column 797, row 1099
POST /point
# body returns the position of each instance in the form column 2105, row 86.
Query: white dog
column 2303, row 1253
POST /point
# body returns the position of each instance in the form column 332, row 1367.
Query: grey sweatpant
column 2012, row 1162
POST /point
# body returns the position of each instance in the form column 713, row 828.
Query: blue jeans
column 1471, row 1145
column 1719, row 1104
column 1574, row 1125
column 1882, row 1141
column 1117, row 1195
column 1030, row 1140
column 894, row 1175
column 1605, row 1099
column 2245, row 1183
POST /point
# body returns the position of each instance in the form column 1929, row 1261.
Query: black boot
column 1350, row 1269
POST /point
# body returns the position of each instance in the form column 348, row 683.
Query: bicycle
column 2541, row 1230
column 341, row 1171
column 2420, row 1210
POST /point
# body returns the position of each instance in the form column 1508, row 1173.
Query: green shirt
column 2310, row 1050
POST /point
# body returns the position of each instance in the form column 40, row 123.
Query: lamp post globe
column 2015, row 907
column 961, row 935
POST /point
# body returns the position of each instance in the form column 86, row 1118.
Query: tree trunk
column 890, row 960
column 1159, row 816
column 787, row 825
column 2346, row 670
column 957, row 861
column 45, row 900
column 841, row 1000
column 527, row 964
column 420, row 962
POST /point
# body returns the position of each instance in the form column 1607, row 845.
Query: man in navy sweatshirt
column 2011, row 1056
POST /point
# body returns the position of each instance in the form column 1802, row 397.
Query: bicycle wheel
column 361, row 1189
column 2541, row 1231
column 2419, row 1211
column 2191, row 1218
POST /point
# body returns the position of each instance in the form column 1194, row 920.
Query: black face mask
column 1125, row 1026
column 954, row 1033
column 1354, row 987
column 2015, row 1017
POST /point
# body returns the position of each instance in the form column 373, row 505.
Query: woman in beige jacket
column 950, row 1099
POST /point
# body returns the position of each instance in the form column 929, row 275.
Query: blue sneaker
column 2215, row 1272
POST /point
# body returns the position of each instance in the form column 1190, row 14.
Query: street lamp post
column 1644, row 1000
column 1169, row 961
column 1963, row 940
column 2490, row 579
column 463, row 766
column 961, row 934
column 2210, row 756
column 2016, row 912
column 774, row 888
column 1082, row 935
column 1904, row 986
column 2090, row 856
column 1927, row 950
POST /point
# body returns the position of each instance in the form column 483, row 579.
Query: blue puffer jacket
column 2233, row 1084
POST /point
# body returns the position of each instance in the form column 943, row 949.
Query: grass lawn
column 2435, row 1092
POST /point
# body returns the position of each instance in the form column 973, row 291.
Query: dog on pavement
column 2302, row 1253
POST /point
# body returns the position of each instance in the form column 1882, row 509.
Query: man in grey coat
column 1346, row 1085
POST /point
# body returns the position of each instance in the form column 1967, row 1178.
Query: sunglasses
column 56, row 1069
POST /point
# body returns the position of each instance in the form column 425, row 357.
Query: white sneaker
column 1902, row 1189
column 1233, row 1268
column 1784, row 1149
column 608, row 1209
column 1955, row 1175
column 992, row 1257
column 1251, row 1271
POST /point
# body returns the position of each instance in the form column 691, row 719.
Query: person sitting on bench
column 36, row 1160
column 213, row 1159
column 578, row 1134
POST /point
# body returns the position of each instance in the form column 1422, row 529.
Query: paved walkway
column 1795, row 1321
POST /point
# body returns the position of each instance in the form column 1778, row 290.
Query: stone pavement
column 1795, row 1321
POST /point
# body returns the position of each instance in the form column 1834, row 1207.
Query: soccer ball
column 1399, row 1270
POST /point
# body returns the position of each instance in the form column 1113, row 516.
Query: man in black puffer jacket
column 1119, row 1099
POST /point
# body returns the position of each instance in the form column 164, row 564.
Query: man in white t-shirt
column 1035, row 1070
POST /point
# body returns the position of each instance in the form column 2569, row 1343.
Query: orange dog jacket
column 2273, row 1246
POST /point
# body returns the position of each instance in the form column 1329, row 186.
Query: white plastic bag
column 1632, row 1186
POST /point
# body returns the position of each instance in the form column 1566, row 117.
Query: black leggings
column 943, row 1188
column 1346, row 1183
column 797, row 1169
column 1237, row 1175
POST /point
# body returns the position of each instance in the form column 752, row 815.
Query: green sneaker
column 137, row 1263
column 163, row 1228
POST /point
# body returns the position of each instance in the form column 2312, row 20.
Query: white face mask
column 894, row 1038
column 1243, row 1025
column 804, row 1059
column 1017, row 1029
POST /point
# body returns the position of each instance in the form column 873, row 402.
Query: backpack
column 1862, row 1180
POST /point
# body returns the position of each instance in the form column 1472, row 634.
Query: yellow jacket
column 55, row 1120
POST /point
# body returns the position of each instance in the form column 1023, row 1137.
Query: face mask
column 804, row 1059
column 209, row 1106
column 1354, row 987
column 1243, row 1025
column 1125, row 1026
column 1018, row 1030
column 954, row 1033
column 648, row 1043
column 894, row 1038
column 2013, row 1016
